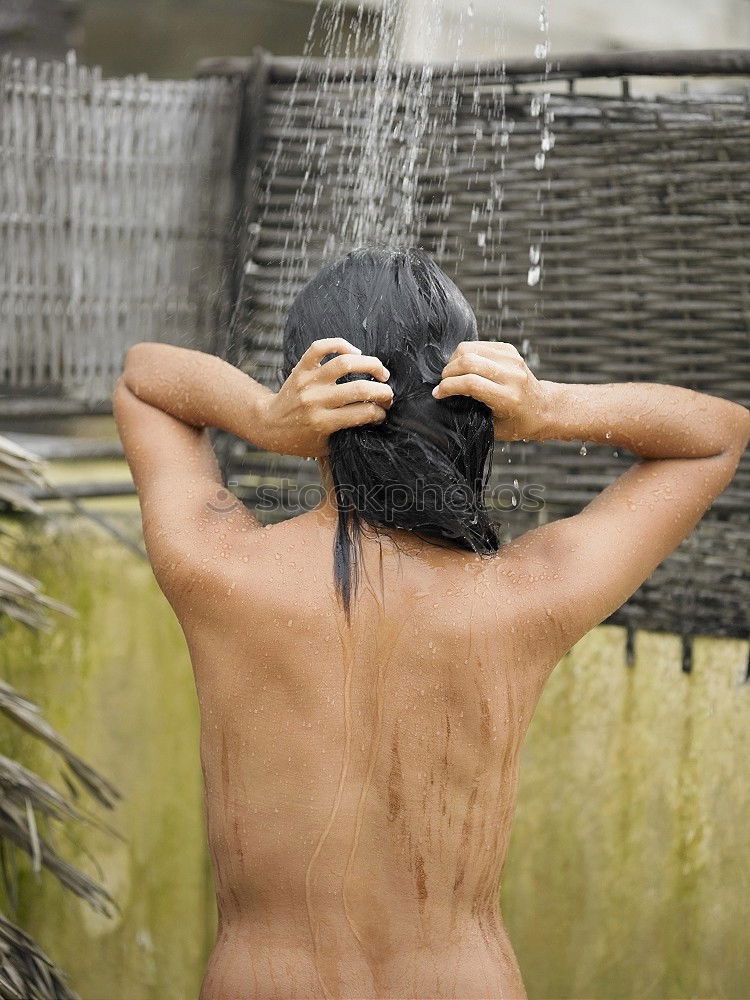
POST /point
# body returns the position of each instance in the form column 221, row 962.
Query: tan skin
column 360, row 780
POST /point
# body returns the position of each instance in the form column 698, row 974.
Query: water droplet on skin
column 583, row 450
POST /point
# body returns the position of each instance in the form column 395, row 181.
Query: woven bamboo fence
column 642, row 215
column 114, row 208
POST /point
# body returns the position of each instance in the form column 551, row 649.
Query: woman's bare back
column 361, row 779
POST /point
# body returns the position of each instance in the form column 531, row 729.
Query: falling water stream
column 380, row 152
column 398, row 134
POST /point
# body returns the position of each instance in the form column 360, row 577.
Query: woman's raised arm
column 688, row 443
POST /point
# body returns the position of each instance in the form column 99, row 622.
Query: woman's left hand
column 497, row 375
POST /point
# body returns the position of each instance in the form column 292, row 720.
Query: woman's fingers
column 476, row 386
column 495, row 374
column 494, row 350
column 355, row 415
column 348, row 364
column 495, row 369
column 358, row 391
column 319, row 348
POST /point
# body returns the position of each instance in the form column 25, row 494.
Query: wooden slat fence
column 114, row 206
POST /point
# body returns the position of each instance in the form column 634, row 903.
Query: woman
column 367, row 671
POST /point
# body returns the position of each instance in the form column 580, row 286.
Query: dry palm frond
column 16, row 586
column 14, row 827
column 20, row 596
column 19, row 467
column 19, row 785
column 29, row 716
column 25, row 971
column 23, row 794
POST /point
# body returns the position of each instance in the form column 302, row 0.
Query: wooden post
column 242, row 230
column 691, row 62
column 241, row 233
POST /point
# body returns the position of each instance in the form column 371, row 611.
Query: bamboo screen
column 114, row 202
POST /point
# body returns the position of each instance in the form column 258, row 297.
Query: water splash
column 369, row 151
column 540, row 109
column 389, row 135
column 379, row 146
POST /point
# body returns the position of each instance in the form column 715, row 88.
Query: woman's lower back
column 262, row 964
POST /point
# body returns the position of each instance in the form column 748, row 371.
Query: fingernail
column 387, row 373
column 435, row 391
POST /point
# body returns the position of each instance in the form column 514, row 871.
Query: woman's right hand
column 310, row 406
column 497, row 375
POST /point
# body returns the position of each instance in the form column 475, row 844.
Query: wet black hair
column 425, row 468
